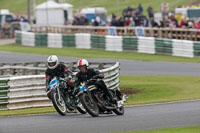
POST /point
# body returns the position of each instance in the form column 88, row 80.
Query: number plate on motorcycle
column 83, row 87
column 120, row 103
column 53, row 83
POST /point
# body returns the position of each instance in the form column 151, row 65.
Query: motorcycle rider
column 86, row 74
column 54, row 68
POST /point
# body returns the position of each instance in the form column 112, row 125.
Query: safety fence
column 171, row 33
column 29, row 91
column 150, row 45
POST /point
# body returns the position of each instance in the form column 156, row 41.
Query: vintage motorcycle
column 63, row 98
column 95, row 102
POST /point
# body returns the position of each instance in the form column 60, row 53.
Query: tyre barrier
column 27, row 91
column 149, row 45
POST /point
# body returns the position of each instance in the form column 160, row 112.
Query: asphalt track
column 128, row 67
column 136, row 118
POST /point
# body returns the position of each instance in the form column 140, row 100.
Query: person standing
column 151, row 15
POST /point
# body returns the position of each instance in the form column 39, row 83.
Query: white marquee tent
column 52, row 13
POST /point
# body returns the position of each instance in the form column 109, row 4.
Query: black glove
column 100, row 76
column 95, row 77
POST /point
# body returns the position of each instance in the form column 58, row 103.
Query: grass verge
column 157, row 89
column 195, row 129
column 91, row 53
column 28, row 111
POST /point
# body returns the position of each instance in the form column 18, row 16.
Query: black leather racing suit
column 92, row 74
column 60, row 71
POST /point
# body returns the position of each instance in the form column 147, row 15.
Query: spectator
column 23, row 19
column 151, row 15
column 75, row 21
column 98, row 20
column 132, row 22
column 190, row 24
column 127, row 22
column 82, row 20
column 172, row 23
column 137, row 21
column 196, row 24
column 140, row 8
column 120, row 22
column 175, row 20
column 145, row 22
column 183, row 22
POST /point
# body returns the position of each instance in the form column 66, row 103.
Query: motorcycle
column 95, row 101
column 63, row 98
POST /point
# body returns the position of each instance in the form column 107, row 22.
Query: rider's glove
column 95, row 77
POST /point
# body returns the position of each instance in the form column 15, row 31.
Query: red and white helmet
column 82, row 62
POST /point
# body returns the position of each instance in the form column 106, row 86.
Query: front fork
column 59, row 99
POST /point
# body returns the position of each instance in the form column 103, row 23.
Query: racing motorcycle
column 95, row 101
column 63, row 98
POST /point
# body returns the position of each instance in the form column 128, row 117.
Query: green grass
column 195, row 129
column 157, row 89
column 152, row 89
column 28, row 111
column 116, row 6
column 85, row 53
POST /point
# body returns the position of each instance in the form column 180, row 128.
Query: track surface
column 136, row 118
column 128, row 67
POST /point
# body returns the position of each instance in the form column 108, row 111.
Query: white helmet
column 82, row 62
column 52, row 62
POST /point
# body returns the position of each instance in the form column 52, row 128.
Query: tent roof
column 66, row 5
column 93, row 10
column 52, row 5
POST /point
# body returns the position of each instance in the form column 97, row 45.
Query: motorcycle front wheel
column 89, row 104
column 59, row 104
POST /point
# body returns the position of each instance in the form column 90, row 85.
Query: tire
column 119, row 111
column 87, row 102
column 56, row 103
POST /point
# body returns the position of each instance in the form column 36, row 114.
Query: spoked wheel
column 59, row 104
column 89, row 104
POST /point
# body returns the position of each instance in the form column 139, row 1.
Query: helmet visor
column 51, row 64
column 81, row 67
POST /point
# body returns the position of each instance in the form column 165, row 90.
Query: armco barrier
column 29, row 91
column 149, row 45
column 4, row 90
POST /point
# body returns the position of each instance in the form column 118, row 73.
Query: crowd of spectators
column 132, row 17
